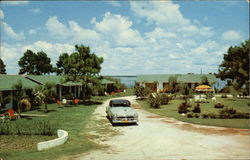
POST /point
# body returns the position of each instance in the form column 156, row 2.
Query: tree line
column 84, row 66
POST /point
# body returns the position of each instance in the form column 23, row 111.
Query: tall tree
column 84, row 67
column 36, row 64
column 235, row 66
column 63, row 64
column 2, row 67
column 204, row 80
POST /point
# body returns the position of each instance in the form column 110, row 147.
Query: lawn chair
column 9, row 115
column 64, row 102
column 76, row 101
column 59, row 103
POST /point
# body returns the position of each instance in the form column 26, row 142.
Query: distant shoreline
column 118, row 76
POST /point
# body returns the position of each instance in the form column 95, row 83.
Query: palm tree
column 173, row 83
column 44, row 93
column 19, row 94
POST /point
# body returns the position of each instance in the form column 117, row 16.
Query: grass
column 71, row 119
column 76, row 120
column 171, row 110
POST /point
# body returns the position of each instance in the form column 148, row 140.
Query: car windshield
column 120, row 103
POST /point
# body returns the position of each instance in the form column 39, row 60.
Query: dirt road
column 159, row 138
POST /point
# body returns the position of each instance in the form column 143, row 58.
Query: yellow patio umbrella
column 204, row 88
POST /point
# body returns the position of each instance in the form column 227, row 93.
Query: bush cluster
column 197, row 108
column 36, row 128
column 164, row 98
column 141, row 91
column 157, row 99
column 154, row 100
column 183, row 108
column 218, row 105
column 193, row 115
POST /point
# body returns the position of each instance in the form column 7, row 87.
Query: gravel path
column 159, row 138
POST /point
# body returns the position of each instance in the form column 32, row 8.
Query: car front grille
column 126, row 118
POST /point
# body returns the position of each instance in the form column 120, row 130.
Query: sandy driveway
column 158, row 138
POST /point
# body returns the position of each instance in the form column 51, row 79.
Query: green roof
column 185, row 78
column 42, row 79
column 7, row 81
column 105, row 81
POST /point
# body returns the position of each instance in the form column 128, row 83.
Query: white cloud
column 117, row 29
column 231, row 35
column 35, row 10
column 11, row 33
column 32, row 31
column 57, row 29
column 80, row 34
column 159, row 12
column 167, row 14
column 73, row 31
column 115, row 3
column 14, row 3
column 1, row 14
column 160, row 33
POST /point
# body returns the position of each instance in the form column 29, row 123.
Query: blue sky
column 133, row 37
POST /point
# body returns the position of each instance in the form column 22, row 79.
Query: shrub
column 218, row 105
column 25, row 105
column 196, row 115
column 212, row 116
column 183, row 108
column 205, row 116
column 190, row 115
column 240, row 116
column 154, row 100
column 35, row 128
column 227, row 113
column 164, row 98
column 197, row 108
column 141, row 91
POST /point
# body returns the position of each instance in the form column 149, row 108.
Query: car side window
column 110, row 104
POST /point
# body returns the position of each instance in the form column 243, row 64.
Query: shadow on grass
column 91, row 103
column 27, row 117
column 49, row 110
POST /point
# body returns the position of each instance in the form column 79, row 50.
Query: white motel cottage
column 160, row 81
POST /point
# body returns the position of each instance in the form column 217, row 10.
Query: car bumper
column 124, row 121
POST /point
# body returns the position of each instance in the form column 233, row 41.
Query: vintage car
column 120, row 111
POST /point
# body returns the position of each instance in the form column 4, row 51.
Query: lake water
column 129, row 81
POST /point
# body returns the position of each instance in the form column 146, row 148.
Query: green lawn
column 72, row 119
column 75, row 120
column 171, row 110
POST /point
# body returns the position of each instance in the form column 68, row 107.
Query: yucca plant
column 43, row 94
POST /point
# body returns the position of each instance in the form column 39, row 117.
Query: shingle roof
column 191, row 78
column 31, row 81
column 7, row 81
column 42, row 79
column 105, row 81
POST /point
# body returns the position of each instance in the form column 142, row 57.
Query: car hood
column 123, row 111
